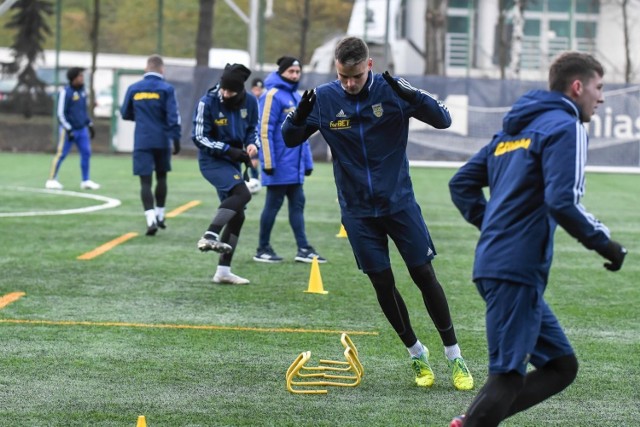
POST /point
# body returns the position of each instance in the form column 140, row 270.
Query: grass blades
column 141, row 330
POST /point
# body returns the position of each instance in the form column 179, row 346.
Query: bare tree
column 436, row 23
column 93, row 37
column 205, row 31
column 304, row 30
column 627, row 53
column 517, row 20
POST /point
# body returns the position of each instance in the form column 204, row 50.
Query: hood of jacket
column 275, row 80
column 534, row 103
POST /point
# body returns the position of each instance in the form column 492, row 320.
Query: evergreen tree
column 29, row 21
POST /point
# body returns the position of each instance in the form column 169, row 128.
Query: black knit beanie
column 286, row 62
column 234, row 76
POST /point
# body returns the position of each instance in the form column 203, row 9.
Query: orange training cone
column 342, row 232
column 142, row 422
column 315, row 280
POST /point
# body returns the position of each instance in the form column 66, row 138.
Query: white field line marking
column 108, row 202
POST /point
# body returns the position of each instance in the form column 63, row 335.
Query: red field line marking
column 107, row 246
column 177, row 326
column 9, row 298
column 177, row 211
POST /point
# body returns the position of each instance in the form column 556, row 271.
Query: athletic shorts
column 145, row 161
column 369, row 239
column 222, row 174
column 521, row 328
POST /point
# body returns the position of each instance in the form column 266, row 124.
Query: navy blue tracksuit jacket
column 367, row 134
column 534, row 169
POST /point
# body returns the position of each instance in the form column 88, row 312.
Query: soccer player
column 75, row 128
column 534, row 168
column 283, row 168
column 151, row 103
column 225, row 132
column 365, row 120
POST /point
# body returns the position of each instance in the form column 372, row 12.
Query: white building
column 550, row 27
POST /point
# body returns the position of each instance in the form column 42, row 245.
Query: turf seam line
column 178, row 326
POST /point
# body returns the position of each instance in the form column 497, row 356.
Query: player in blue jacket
column 283, row 168
column 75, row 128
column 534, row 168
column 364, row 117
column 225, row 132
column 151, row 103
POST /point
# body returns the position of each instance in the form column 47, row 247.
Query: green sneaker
column 460, row 375
column 424, row 374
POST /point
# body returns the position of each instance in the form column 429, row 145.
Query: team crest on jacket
column 377, row 110
column 243, row 113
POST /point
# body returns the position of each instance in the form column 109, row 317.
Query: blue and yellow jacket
column 217, row 127
column 367, row 134
column 151, row 103
column 534, row 169
column 288, row 164
column 72, row 108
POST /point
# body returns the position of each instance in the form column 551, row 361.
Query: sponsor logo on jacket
column 142, row 96
column 508, row 146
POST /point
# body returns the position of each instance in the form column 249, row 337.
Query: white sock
column 151, row 217
column 160, row 213
column 417, row 349
column 452, row 351
column 223, row 270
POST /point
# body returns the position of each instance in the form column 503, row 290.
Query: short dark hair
column 351, row 51
column 570, row 66
column 155, row 62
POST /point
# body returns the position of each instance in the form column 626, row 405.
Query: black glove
column 308, row 172
column 176, row 146
column 92, row 131
column 238, row 155
column 269, row 171
column 615, row 253
column 304, row 107
column 70, row 135
column 402, row 88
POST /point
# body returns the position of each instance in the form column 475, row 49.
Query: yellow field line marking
column 9, row 298
column 107, row 246
column 180, row 209
column 175, row 326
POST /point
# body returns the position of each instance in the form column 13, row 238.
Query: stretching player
column 224, row 126
column 365, row 120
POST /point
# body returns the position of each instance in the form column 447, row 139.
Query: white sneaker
column 89, row 185
column 230, row 279
column 53, row 184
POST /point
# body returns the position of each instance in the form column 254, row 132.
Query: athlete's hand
column 92, row 131
column 70, row 135
column 402, row 87
column 308, row 172
column 238, row 155
column 176, row 146
column 269, row 171
column 615, row 253
column 304, row 107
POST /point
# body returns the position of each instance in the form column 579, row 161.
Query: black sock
column 492, row 402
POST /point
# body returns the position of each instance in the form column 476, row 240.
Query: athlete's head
column 232, row 84
column 75, row 75
column 289, row 68
column 352, row 64
column 578, row 76
column 155, row 64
